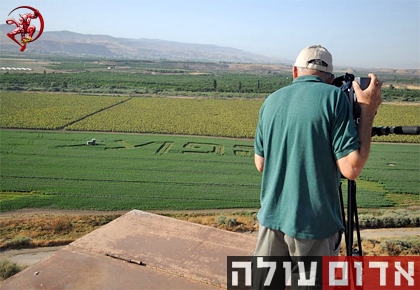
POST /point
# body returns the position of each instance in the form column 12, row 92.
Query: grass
column 403, row 200
column 408, row 246
column 144, row 172
column 54, row 230
column 58, row 170
column 34, row 232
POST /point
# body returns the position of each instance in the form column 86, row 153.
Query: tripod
column 352, row 220
column 352, row 217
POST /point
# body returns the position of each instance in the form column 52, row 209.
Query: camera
column 345, row 84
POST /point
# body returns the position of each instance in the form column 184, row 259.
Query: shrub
column 62, row 226
column 390, row 219
column 229, row 222
column 8, row 269
column 398, row 248
column 18, row 242
column 410, row 246
column 221, row 220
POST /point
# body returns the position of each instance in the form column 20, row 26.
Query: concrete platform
column 139, row 250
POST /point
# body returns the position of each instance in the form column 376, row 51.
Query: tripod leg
column 359, row 240
column 352, row 208
column 352, row 218
column 349, row 245
column 343, row 214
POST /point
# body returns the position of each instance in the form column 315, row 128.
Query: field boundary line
column 93, row 113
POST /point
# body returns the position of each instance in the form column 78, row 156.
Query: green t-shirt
column 302, row 130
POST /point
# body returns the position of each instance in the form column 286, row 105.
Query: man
column 305, row 139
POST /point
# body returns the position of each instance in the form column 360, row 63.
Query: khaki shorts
column 276, row 243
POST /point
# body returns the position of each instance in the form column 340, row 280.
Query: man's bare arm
column 259, row 162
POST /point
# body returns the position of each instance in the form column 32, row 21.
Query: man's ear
column 295, row 72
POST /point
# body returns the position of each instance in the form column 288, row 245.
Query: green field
column 125, row 171
column 41, row 169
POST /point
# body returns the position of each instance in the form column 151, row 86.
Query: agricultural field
column 59, row 170
column 149, row 82
column 173, row 78
column 234, row 118
column 49, row 111
column 209, row 117
column 165, row 135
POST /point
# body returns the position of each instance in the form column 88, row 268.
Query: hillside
column 77, row 44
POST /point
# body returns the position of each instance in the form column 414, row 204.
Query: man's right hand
column 371, row 97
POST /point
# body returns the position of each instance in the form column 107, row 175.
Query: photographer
column 305, row 139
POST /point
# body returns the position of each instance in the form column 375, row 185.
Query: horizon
column 386, row 33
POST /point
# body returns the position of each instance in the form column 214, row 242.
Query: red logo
column 371, row 272
column 24, row 26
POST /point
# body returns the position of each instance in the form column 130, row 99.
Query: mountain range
column 77, row 44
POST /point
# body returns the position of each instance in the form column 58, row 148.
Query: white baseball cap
column 315, row 57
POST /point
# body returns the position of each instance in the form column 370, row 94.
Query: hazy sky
column 369, row 34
